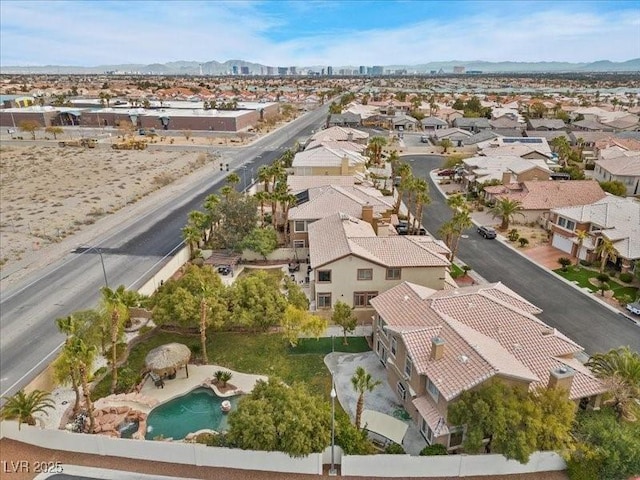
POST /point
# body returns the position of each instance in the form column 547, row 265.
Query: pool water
column 189, row 413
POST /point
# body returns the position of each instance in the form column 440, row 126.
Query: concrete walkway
column 382, row 399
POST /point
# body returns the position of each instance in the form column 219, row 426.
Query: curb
column 505, row 242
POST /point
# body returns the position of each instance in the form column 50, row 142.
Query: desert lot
column 48, row 193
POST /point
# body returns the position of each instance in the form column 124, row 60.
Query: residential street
column 573, row 313
column 132, row 248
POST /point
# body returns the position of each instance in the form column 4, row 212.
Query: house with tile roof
column 545, row 124
column 619, row 164
column 341, row 134
column 324, row 160
column 433, row 123
column 473, row 125
column 508, row 169
column 322, row 201
column 614, row 218
column 353, row 260
column 435, row 345
column 537, row 198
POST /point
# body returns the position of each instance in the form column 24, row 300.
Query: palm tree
column 264, row 177
column 422, row 199
column 85, row 356
column 114, row 308
column 406, row 178
column 233, row 179
column 446, row 144
column 620, row 371
column 461, row 221
column 446, row 232
column 362, row 382
column 65, row 366
column 506, row 209
column 375, row 149
column 581, row 235
column 192, row 236
column 22, row 406
column 261, row 197
column 604, row 250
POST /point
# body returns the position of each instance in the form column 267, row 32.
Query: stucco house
column 341, row 134
column 539, row 197
column 325, row 160
column 618, row 164
column 507, row 169
column 319, row 202
column 437, row 344
column 350, row 263
column 433, row 123
column 615, row 218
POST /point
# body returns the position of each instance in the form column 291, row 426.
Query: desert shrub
column 222, row 377
column 565, row 262
column 513, row 235
column 523, row 241
column 626, row 277
column 586, row 263
column 435, row 449
column 394, row 449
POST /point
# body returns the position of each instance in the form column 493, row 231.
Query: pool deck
column 199, row 375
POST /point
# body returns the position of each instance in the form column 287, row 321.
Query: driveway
column 382, row 399
column 547, row 256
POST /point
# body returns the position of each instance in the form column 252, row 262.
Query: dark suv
column 487, row 232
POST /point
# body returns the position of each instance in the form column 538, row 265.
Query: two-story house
column 320, row 202
column 615, row 218
column 621, row 165
column 437, row 344
column 350, row 263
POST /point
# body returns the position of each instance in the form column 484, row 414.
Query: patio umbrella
column 168, row 358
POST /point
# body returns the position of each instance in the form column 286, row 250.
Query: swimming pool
column 198, row 409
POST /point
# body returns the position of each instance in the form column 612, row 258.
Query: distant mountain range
column 216, row 68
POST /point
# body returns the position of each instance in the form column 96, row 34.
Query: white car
column 634, row 307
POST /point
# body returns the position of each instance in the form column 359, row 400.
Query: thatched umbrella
column 168, row 358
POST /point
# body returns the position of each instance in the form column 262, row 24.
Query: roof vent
column 464, row 359
column 517, row 347
column 406, row 297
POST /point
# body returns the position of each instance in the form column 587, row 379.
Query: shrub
column 466, row 269
column 99, row 372
column 144, row 330
column 586, row 263
column 523, row 241
column 513, row 235
column 626, row 277
column 565, row 262
column 127, row 379
column 435, row 449
column 222, row 377
column 394, row 449
column 603, row 277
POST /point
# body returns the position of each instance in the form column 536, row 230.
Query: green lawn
column 456, row 271
column 582, row 276
column 258, row 353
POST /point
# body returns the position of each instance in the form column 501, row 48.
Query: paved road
column 583, row 319
column 29, row 336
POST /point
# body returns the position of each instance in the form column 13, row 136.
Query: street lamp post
column 332, row 471
column 104, row 270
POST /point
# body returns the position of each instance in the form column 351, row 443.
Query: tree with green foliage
column 376, row 144
column 565, row 262
column 256, row 301
column 619, row 369
column 362, row 382
column 115, row 313
column 54, row 130
column 295, row 294
column 614, row 187
column 539, row 109
column 295, row 322
column 446, row 144
column 516, row 421
column 343, row 316
column 351, row 439
column 606, row 448
column 236, row 215
column 275, row 417
column 23, row 406
column 262, row 240
column 335, row 108
column 30, row 126
column 605, row 250
column 179, row 302
column 506, row 209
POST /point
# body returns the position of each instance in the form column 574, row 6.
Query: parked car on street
column 487, row 232
column 634, row 307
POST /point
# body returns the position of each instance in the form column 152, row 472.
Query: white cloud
column 74, row 33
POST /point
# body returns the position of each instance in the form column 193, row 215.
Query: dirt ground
column 49, row 193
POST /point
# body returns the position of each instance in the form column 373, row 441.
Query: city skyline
column 316, row 33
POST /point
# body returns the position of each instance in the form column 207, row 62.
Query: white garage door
column 562, row 243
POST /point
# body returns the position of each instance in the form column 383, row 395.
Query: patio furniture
column 157, row 381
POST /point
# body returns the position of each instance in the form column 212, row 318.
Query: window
column 432, row 389
column 394, row 346
column 381, row 325
column 426, row 431
column 299, row 226
column 568, row 224
column 456, row 434
column 324, row 276
column 402, row 392
column 362, row 299
column 365, row 274
column 393, row 273
column 408, row 367
column 298, row 244
column 324, row 300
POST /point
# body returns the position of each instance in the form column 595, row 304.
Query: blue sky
column 313, row 32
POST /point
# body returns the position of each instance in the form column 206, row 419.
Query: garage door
column 562, row 243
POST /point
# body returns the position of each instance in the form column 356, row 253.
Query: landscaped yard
column 581, row 276
column 258, row 353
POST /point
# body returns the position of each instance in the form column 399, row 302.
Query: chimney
column 350, row 137
column 344, row 166
column 561, row 377
column 367, row 213
column 437, row 348
column 506, row 178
